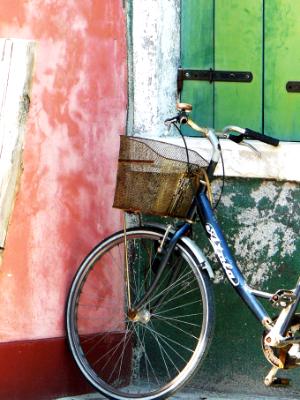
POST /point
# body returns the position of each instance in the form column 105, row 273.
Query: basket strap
column 126, row 263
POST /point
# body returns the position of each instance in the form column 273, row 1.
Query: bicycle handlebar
column 243, row 133
column 250, row 134
column 213, row 136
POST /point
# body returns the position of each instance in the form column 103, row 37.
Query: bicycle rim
column 149, row 354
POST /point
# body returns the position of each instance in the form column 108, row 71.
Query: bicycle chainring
column 279, row 357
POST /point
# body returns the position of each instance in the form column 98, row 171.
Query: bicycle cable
column 223, row 179
column 189, row 167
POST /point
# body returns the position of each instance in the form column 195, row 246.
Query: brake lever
column 251, row 147
column 181, row 118
column 170, row 121
column 239, row 139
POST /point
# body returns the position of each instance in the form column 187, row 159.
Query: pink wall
column 78, row 110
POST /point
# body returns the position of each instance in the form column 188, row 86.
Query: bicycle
column 140, row 311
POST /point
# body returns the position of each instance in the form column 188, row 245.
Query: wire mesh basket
column 157, row 178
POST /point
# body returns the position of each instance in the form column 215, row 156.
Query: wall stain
column 260, row 220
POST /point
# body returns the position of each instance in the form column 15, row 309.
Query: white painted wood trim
column 16, row 66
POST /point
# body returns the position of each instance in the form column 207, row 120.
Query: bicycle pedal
column 272, row 380
column 279, row 382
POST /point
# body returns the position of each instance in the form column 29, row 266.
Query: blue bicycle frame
column 223, row 252
column 232, row 271
column 228, row 262
column 202, row 206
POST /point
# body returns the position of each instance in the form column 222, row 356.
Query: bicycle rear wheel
column 147, row 354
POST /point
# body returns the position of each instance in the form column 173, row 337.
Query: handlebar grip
column 250, row 134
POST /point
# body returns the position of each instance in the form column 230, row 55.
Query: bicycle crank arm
column 272, row 380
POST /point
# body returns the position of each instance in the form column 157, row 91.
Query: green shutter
column 238, row 47
column 260, row 36
column 282, row 64
column 197, row 52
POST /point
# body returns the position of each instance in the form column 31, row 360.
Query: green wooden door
column 261, row 36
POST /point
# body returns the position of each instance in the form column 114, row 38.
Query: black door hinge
column 293, row 87
column 211, row 76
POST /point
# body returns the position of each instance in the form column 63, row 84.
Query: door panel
column 197, row 52
column 282, row 64
column 238, row 47
column 260, row 36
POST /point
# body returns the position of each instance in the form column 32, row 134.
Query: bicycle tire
column 153, row 356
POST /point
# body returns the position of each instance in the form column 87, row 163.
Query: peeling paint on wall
column 154, row 55
column 261, row 222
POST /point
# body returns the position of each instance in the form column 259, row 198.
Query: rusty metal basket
column 155, row 178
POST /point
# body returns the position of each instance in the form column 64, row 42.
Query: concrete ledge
column 279, row 163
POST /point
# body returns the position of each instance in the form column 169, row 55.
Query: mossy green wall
column 261, row 222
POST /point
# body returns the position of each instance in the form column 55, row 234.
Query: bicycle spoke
column 169, row 288
column 120, row 357
column 178, row 295
column 180, row 329
column 163, row 338
column 173, row 341
column 146, row 356
column 181, row 292
column 162, row 350
column 177, row 319
column 100, row 305
column 149, row 269
column 180, row 306
column 88, row 337
column 137, row 353
column 121, row 263
column 111, row 352
column 102, row 338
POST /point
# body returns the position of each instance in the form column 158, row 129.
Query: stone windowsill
column 280, row 163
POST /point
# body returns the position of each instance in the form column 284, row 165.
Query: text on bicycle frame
column 215, row 241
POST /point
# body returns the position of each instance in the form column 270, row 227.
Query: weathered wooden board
column 16, row 68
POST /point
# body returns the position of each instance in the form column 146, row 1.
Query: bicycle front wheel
column 144, row 354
